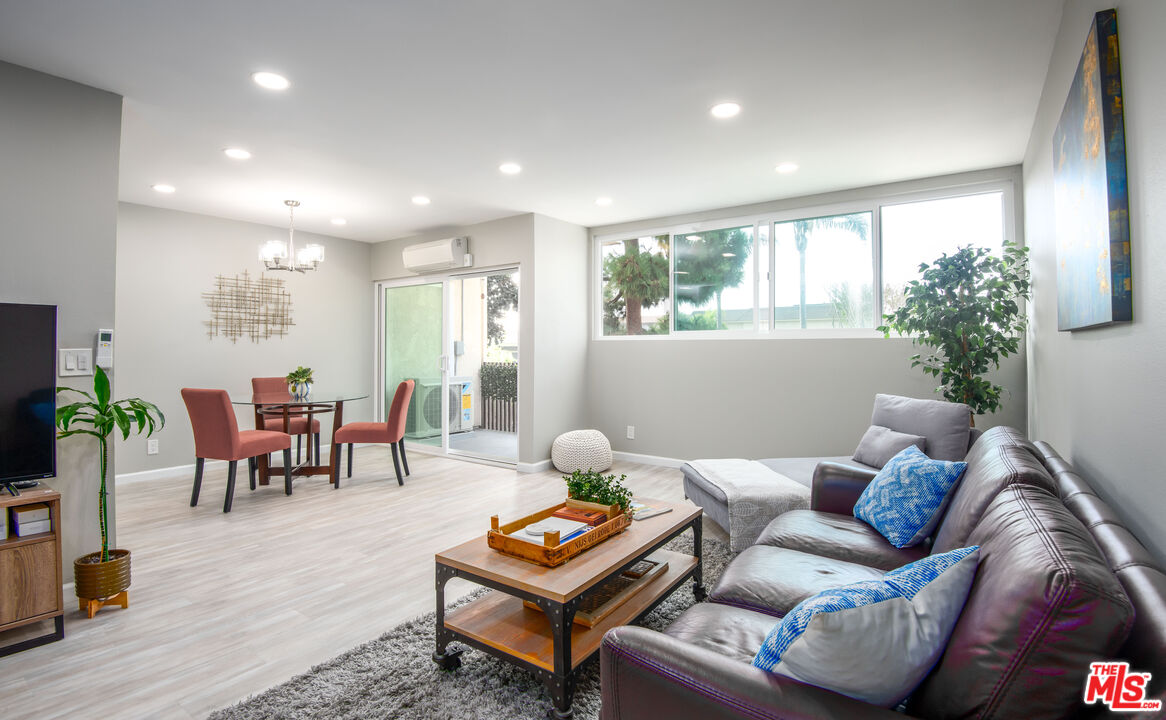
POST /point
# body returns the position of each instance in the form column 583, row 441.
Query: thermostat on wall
column 104, row 349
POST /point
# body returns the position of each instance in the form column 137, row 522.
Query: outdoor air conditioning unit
column 437, row 255
column 423, row 419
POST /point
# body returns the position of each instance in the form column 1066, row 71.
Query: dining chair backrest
column 216, row 432
column 269, row 386
column 398, row 410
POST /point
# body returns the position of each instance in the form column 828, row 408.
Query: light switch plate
column 74, row 361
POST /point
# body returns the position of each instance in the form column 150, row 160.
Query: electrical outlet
column 631, row 432
column 152, row 446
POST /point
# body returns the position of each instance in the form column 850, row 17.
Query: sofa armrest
column 836, row 487
column 647, row 674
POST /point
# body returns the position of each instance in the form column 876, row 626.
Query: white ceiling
column 596, row 97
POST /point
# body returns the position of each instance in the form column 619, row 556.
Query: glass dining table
column 283, row 405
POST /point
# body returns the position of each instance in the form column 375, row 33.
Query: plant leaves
column 101, row 387
column 122, row 420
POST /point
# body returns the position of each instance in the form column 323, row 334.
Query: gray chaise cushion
column 879, row 444
column 945, row 425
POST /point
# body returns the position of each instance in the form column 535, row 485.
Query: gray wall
column 766, row 397
column 59, row 144
column 552, row 258
column 561, row 337
column 167, row 259
column 1097, row 395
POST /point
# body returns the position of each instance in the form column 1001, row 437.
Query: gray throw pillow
column 945, row 424
column 879, row 444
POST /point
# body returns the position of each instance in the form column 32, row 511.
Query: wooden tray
column 551, row 553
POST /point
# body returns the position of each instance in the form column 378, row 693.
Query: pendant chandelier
column 278, row 255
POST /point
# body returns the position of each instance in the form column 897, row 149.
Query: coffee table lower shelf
column 501, row 621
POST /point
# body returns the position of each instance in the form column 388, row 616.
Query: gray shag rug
column 394, row 677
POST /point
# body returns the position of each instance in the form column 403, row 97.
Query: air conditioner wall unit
column 436, row 255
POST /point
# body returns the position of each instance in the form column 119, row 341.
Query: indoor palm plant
column 104, row 574
column 966, row 308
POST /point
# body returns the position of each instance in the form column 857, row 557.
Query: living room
column 85, row 231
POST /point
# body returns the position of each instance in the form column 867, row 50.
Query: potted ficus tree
column 102, row 575
column 966, row 308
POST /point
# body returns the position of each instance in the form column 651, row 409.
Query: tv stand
column 30, row 573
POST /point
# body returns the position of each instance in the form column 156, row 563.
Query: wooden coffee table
column 548, row 643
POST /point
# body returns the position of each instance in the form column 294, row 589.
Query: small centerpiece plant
column 299, row 381
column 590, row 486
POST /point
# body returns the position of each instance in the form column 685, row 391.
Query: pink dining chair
column 391, row 431
column 297, row 422
column 217, row 437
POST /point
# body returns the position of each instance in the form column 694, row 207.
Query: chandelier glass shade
column 278, row 255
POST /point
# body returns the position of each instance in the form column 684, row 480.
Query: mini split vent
column 437, row 255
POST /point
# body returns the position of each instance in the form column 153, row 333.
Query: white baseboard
column 179, row 470
column 163, row 473
column 534, row 467
column 647, row 459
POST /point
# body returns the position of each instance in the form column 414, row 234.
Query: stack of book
column 31, row 519
column 590, row 517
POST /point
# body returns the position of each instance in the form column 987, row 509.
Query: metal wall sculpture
column 244, row 307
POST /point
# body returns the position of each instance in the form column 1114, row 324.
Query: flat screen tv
column 28, row 405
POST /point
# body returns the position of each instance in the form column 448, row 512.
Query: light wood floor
column 224, row 606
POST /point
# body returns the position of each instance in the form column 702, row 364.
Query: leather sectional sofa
column 1061, row 583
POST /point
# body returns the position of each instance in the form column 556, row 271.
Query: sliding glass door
column 484, row 357
column 457, row 339
column 413, row 331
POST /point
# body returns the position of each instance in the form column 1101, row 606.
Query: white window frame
column 763, row 329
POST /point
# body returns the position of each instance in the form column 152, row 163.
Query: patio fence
column 499, row 383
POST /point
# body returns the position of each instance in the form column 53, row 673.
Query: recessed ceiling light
column 692, row 238
column 510, row 168
column 237, row 153
column 729, row 254
column 270, row 80
column 786, row 168
column 602, row 201
column 420, row 200
column 339, row 221
column 164, row 188
column 725, row 110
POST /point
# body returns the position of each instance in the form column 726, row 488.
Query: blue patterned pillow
column 874, row 640
column 904, row 500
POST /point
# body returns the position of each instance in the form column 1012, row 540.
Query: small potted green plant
column 299, row 382
column 102, row 575
column 601, row 492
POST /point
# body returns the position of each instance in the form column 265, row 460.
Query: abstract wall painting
column 243, row 307
column 1094, row 284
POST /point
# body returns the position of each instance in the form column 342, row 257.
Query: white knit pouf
column 581, row 450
